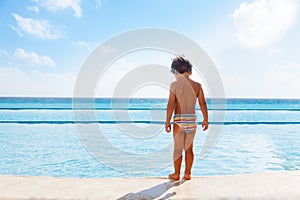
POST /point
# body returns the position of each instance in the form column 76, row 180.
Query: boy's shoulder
column 192, row 82
column 174, row 83
column 196, row 83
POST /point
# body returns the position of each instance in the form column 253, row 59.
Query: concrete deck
column 275, row 185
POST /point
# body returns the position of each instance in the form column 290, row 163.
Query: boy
column 182, row 100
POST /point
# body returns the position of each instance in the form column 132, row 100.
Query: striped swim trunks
column 187, row 122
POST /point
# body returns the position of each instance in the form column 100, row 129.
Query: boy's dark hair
column 181, row 65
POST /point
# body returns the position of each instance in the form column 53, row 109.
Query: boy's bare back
column 186, row 92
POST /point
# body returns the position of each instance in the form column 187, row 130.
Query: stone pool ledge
column 275, row 185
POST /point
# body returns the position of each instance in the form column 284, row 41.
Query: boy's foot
column 174, row 177
column 187, row 177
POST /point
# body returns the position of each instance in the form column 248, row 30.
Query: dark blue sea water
column 45, row 137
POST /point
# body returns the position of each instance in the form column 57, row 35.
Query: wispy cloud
column 32, row 58
column 99, row 3
column 17, row 30
column 83, row 44
column 33, row 9
column 263, row 23
column 3, row 53
column 37, row 27
column 56, row 5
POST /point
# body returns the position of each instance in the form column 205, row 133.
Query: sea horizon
column 107, row 97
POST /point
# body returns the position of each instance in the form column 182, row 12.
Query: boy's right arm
column 170, row 109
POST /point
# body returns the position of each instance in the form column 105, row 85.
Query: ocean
column 107, row 138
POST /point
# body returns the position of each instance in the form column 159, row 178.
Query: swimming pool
column 38, row 137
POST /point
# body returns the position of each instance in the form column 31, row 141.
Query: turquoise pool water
column 38, row 136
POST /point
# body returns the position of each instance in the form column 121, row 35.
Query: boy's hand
column 205, row 125
column 168, row 127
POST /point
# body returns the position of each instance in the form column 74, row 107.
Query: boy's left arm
column 170, row 109
column 203, row 106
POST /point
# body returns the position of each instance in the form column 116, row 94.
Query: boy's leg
column 178, row 136
column 189, row 154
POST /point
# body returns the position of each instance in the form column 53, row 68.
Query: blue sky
column 254, row 44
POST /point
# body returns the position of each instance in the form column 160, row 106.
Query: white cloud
column 263, row 23
column 55, row 5
column 32, row 58
column 35, row 83
column 37, row 27
column 279, row 80
column 33, row 9
column 83, row 44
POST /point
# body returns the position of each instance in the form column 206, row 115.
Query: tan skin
column 173, row 105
